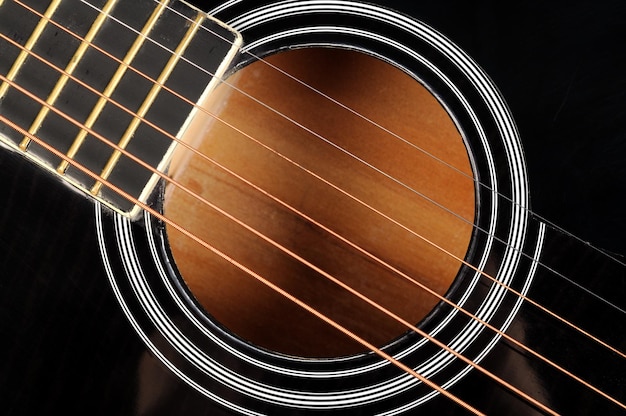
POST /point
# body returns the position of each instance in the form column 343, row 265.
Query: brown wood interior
column 377, row 91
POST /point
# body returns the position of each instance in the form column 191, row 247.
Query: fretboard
column 108, row 84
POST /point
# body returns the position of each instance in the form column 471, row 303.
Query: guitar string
column 277, row 200
column 247, row 182
column 379, row 171
column 245, row 269
column 554, row 315
column 393, row 134
column 334, row 280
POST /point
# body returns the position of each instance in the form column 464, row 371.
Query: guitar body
column 94, row 317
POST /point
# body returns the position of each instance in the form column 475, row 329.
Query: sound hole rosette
column 247, row 379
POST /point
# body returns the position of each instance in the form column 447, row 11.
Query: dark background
column 561, row 67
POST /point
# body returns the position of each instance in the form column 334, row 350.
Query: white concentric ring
column 380, row 389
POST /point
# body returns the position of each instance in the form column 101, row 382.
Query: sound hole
column 362, row 205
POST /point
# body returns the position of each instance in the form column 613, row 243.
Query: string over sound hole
column 351, row 188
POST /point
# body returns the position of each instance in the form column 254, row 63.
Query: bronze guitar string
column 372, row 303
column 404, row 322
column 397, row 318
column 320, row 271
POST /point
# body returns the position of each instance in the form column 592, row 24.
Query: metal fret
column 69, row 69
column 115, row 80
column 117, row 75
column 147, row 103
column 30, row 43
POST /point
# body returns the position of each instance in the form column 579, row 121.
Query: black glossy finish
column 66, row 347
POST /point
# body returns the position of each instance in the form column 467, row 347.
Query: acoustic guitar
column 284, row 207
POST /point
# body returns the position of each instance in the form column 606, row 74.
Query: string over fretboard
column 93, row 79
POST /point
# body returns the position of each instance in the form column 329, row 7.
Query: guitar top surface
column 79, row 281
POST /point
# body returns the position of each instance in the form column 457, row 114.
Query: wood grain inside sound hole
column 379, row 92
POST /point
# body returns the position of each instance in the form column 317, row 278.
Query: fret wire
column 150, row 98
column 30, row 43
column 69, row 69
column 113, row 83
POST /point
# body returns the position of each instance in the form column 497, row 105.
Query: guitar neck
column 111, row 96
